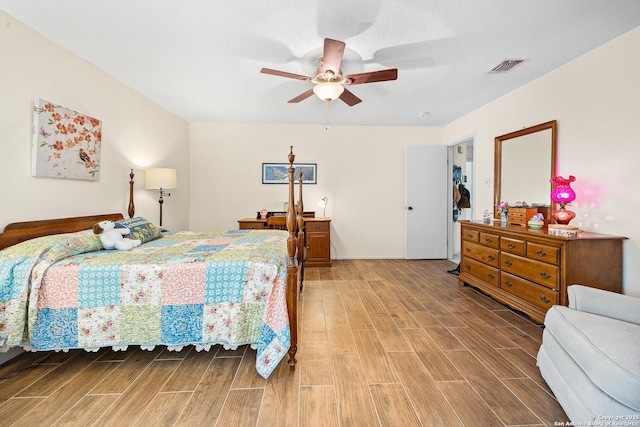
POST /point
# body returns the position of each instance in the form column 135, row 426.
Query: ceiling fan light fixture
column 328, row 91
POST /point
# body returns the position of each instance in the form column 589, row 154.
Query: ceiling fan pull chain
column 326, row 115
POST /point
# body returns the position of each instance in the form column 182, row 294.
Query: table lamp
column 323, row 204
column 160, row 179
column 563, row 195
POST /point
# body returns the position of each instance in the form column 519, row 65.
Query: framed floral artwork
column 66, row 143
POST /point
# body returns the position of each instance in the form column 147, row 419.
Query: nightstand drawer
column 250, row 225
column 316, row 226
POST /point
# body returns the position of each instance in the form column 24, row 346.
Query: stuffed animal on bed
column 112, row 237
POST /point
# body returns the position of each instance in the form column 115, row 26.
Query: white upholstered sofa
column 590, row 356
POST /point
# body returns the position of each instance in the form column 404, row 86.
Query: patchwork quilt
column 200, row 288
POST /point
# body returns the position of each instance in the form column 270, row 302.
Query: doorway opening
column 460, row 159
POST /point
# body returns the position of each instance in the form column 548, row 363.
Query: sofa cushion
column 566, row 380
column 605, row 349
column 579, row 397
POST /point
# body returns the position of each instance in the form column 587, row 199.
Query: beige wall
column 360, row 169
column 136, row 133
column 596, row 101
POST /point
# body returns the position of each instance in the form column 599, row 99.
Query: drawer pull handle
column 318, row 226
column 545, row 275
column 488, row 240
column 308, row 246
column 491, row 257
column 251, row 227
column 544, row 299
column 467, row 266
column 508, row 263
column 511, row 246
column 467, row 250
column 508, row 283
column 491, row 276
column 541, row 253
column 469, row 236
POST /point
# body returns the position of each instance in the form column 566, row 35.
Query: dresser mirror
column 525, row 161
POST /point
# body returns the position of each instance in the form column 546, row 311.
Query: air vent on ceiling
column 506, row 65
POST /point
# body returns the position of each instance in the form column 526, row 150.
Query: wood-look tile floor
column 382, row 343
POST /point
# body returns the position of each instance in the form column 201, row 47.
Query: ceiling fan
column 328, row 79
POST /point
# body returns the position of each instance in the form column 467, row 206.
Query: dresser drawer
column 538, row 272
column 513, row 246
column 543, row 253
column 535, row 294
column 481, row 253
column 471, row 235
column 481, row 271
column 490, row 240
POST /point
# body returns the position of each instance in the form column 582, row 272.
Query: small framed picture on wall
column 278, row 173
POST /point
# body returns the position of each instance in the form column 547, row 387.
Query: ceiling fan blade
column 284, row 74
column 349, row 98
column 332, row 56
column 373, row 76
column 424, row 54
column 340, row 19
column 302, row 96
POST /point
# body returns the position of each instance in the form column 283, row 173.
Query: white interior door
column 427, row 202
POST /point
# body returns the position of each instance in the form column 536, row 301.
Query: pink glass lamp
column 563, row 195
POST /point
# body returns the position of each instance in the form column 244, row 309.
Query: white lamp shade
column 328, row 91
column 157, row 178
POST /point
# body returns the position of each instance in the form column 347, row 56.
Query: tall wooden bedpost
column 300, row 205
column 132, row 208
column 301, row 242
column 292, row 267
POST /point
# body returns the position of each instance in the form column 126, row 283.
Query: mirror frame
column 497, row 165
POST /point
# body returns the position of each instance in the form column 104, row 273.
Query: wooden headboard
column 17, row 232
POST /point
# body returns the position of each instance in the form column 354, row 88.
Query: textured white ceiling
column 201, row 58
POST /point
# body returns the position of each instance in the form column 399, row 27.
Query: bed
column 59, row 290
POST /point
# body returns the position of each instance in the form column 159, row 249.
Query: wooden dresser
column 529, row 270
column 318, row 238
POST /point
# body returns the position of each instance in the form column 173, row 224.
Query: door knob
column 410, row 208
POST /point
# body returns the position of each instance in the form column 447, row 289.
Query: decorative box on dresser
column 522, row 215
column 317, row 238
column 529, row 270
